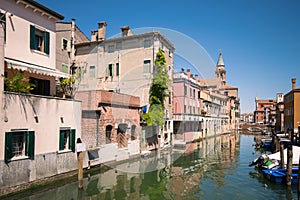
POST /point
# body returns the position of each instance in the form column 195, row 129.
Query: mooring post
column 282, row 154
column 80, row 148
column 80, row 170
column 289, row 165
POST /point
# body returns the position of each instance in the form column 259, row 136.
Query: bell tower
column 220, row 69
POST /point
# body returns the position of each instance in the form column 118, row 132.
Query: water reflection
column 179, row 172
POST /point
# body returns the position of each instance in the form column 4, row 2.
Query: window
column 132, row 132
column 118, row 45
column 117, row 69
column 109, row 70
column 39, row 40
column 147, row 43
column 111, row 48
column 147, row 64
column 65, row 44
column 67, row 139
column 41, row 87
column 64, row 68
column 108, row 134
column 3, row 21
column 170, row 98
column 92, row 71
column 19, row 144
column 185, row 90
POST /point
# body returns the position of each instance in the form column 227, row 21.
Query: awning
column 14, row 64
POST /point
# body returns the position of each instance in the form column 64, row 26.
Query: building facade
column 292, row 108
column 125, row 65
column 260, row 105
column 38, row 131
column 187, row 115
column 110, row 125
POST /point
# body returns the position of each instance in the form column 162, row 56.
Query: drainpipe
column 72, row 56
column 98, row 113
column 2, row 29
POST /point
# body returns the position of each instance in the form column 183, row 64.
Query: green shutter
column 30, row 144
column 72, row 140
column 107, row 71
column 8, row 146
column 117, row 69
column 112, row 70
column 47, row 42
column 32, row 37
column 61, row 140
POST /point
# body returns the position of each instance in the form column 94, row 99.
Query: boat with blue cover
column 279, row 175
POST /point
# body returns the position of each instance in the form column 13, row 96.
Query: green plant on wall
column 158, row 92
column 18, row 83
column 66, row 86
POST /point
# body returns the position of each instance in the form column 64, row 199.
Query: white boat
column 270, row 161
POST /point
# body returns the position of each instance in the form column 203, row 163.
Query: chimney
column 188, row 71
column 101, row 31
column 126, row 31
column 293, row 83
column 196, row 78
column 94, row 35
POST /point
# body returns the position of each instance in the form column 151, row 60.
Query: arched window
column 108, row 134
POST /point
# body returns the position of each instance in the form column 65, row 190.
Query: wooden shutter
column 72, row 140
column 61, row 140
column 8, row 146
column 30, row 144
column 47, row 42
column 32, row 37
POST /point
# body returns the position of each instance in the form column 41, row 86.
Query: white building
column 38, row 130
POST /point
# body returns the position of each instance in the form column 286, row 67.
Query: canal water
column 215, row 168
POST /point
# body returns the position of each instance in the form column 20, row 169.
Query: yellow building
column 292, row 108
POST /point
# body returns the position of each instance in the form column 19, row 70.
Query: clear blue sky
column 260, row 39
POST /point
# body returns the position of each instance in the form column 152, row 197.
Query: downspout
column 98, row 113
column 72, row 56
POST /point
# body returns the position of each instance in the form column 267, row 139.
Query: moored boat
column 279, row 175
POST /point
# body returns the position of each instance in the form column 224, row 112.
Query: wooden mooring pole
column 80, row 170
column 289, row 165
column 80, row 148
column 282, row 154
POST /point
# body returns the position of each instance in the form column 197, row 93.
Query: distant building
column 219, row 85
column 279, row 124
column 260, row 116
column 246, row 118
column 292, row 108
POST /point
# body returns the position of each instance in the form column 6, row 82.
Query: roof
column 220, row 60
column 44, row 8
column 131, row 37
column 228, row 87
column 210, row 82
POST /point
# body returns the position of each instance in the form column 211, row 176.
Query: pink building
column 187, row 110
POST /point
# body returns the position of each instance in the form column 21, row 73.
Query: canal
column 215, row 168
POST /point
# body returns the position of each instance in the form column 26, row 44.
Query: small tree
column 160, row 82
column 18, row 83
